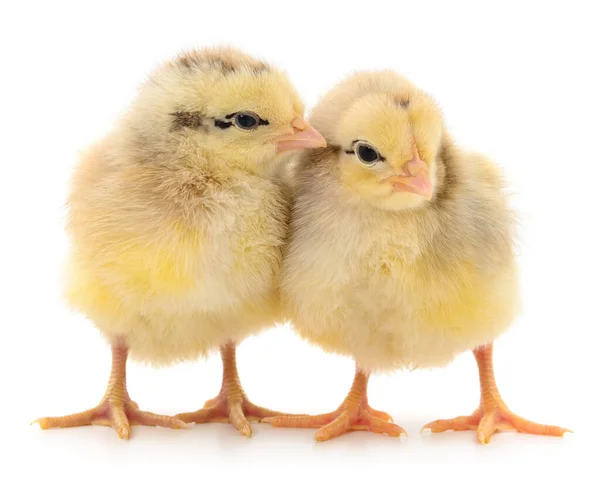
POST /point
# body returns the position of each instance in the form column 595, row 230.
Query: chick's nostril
column 298, row 124
column 414, row 166
column 413, row 169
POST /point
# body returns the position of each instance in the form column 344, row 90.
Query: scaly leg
column 115, row 409
column 231, row 404
column 492, row 415
column 354, row 414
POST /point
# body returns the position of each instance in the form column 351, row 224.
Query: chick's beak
column 414, row 178
column 304, row 136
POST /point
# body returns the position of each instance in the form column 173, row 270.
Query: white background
column 517, row 82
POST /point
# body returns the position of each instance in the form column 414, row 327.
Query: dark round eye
column 366, row 153
column 246, row 121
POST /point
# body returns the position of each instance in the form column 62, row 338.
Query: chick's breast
column 173, row 284
column 396, row 290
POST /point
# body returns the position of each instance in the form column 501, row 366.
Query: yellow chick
column 177, row 221
column 400, row 251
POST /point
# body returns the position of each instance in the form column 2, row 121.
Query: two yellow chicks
column 386, row 242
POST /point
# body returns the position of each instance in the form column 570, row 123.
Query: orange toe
column 354, row 414
column 237, row 410
column 116, row 409
column 488, row 422
column 116, row 413
column 231, row 405
column 493, row 414
column 386, row 417
column 343, row 420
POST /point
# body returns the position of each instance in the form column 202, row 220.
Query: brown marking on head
column 403, row 102
column 192, row 120
column 225, row 60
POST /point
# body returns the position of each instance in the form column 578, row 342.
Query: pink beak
column 304, row 136
column 414, row 178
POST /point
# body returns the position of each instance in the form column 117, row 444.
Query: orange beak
column 414, row 178
column 304, row 136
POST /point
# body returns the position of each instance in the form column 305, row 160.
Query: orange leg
column 492, row 415
column 115, row 409
column 354, row 414
column 231, row 404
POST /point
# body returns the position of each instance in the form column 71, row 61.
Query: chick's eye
column 367, row 153
column 246, row 121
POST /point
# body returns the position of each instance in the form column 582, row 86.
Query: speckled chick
column 177, row 220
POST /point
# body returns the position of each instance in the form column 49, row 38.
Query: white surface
column 519, row 83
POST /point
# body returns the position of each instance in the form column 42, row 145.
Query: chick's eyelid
column 353, row 151
column 261, row 121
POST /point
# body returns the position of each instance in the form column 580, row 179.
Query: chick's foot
column 115, row 409
column 489, row 420
column 354, row 414
column 231, row 404
column 493, row 415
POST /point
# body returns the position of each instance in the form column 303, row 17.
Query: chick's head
column 388, row 134
column 221, row 105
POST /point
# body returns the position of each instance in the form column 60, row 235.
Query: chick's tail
column 493, row 414
column 116, row 409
